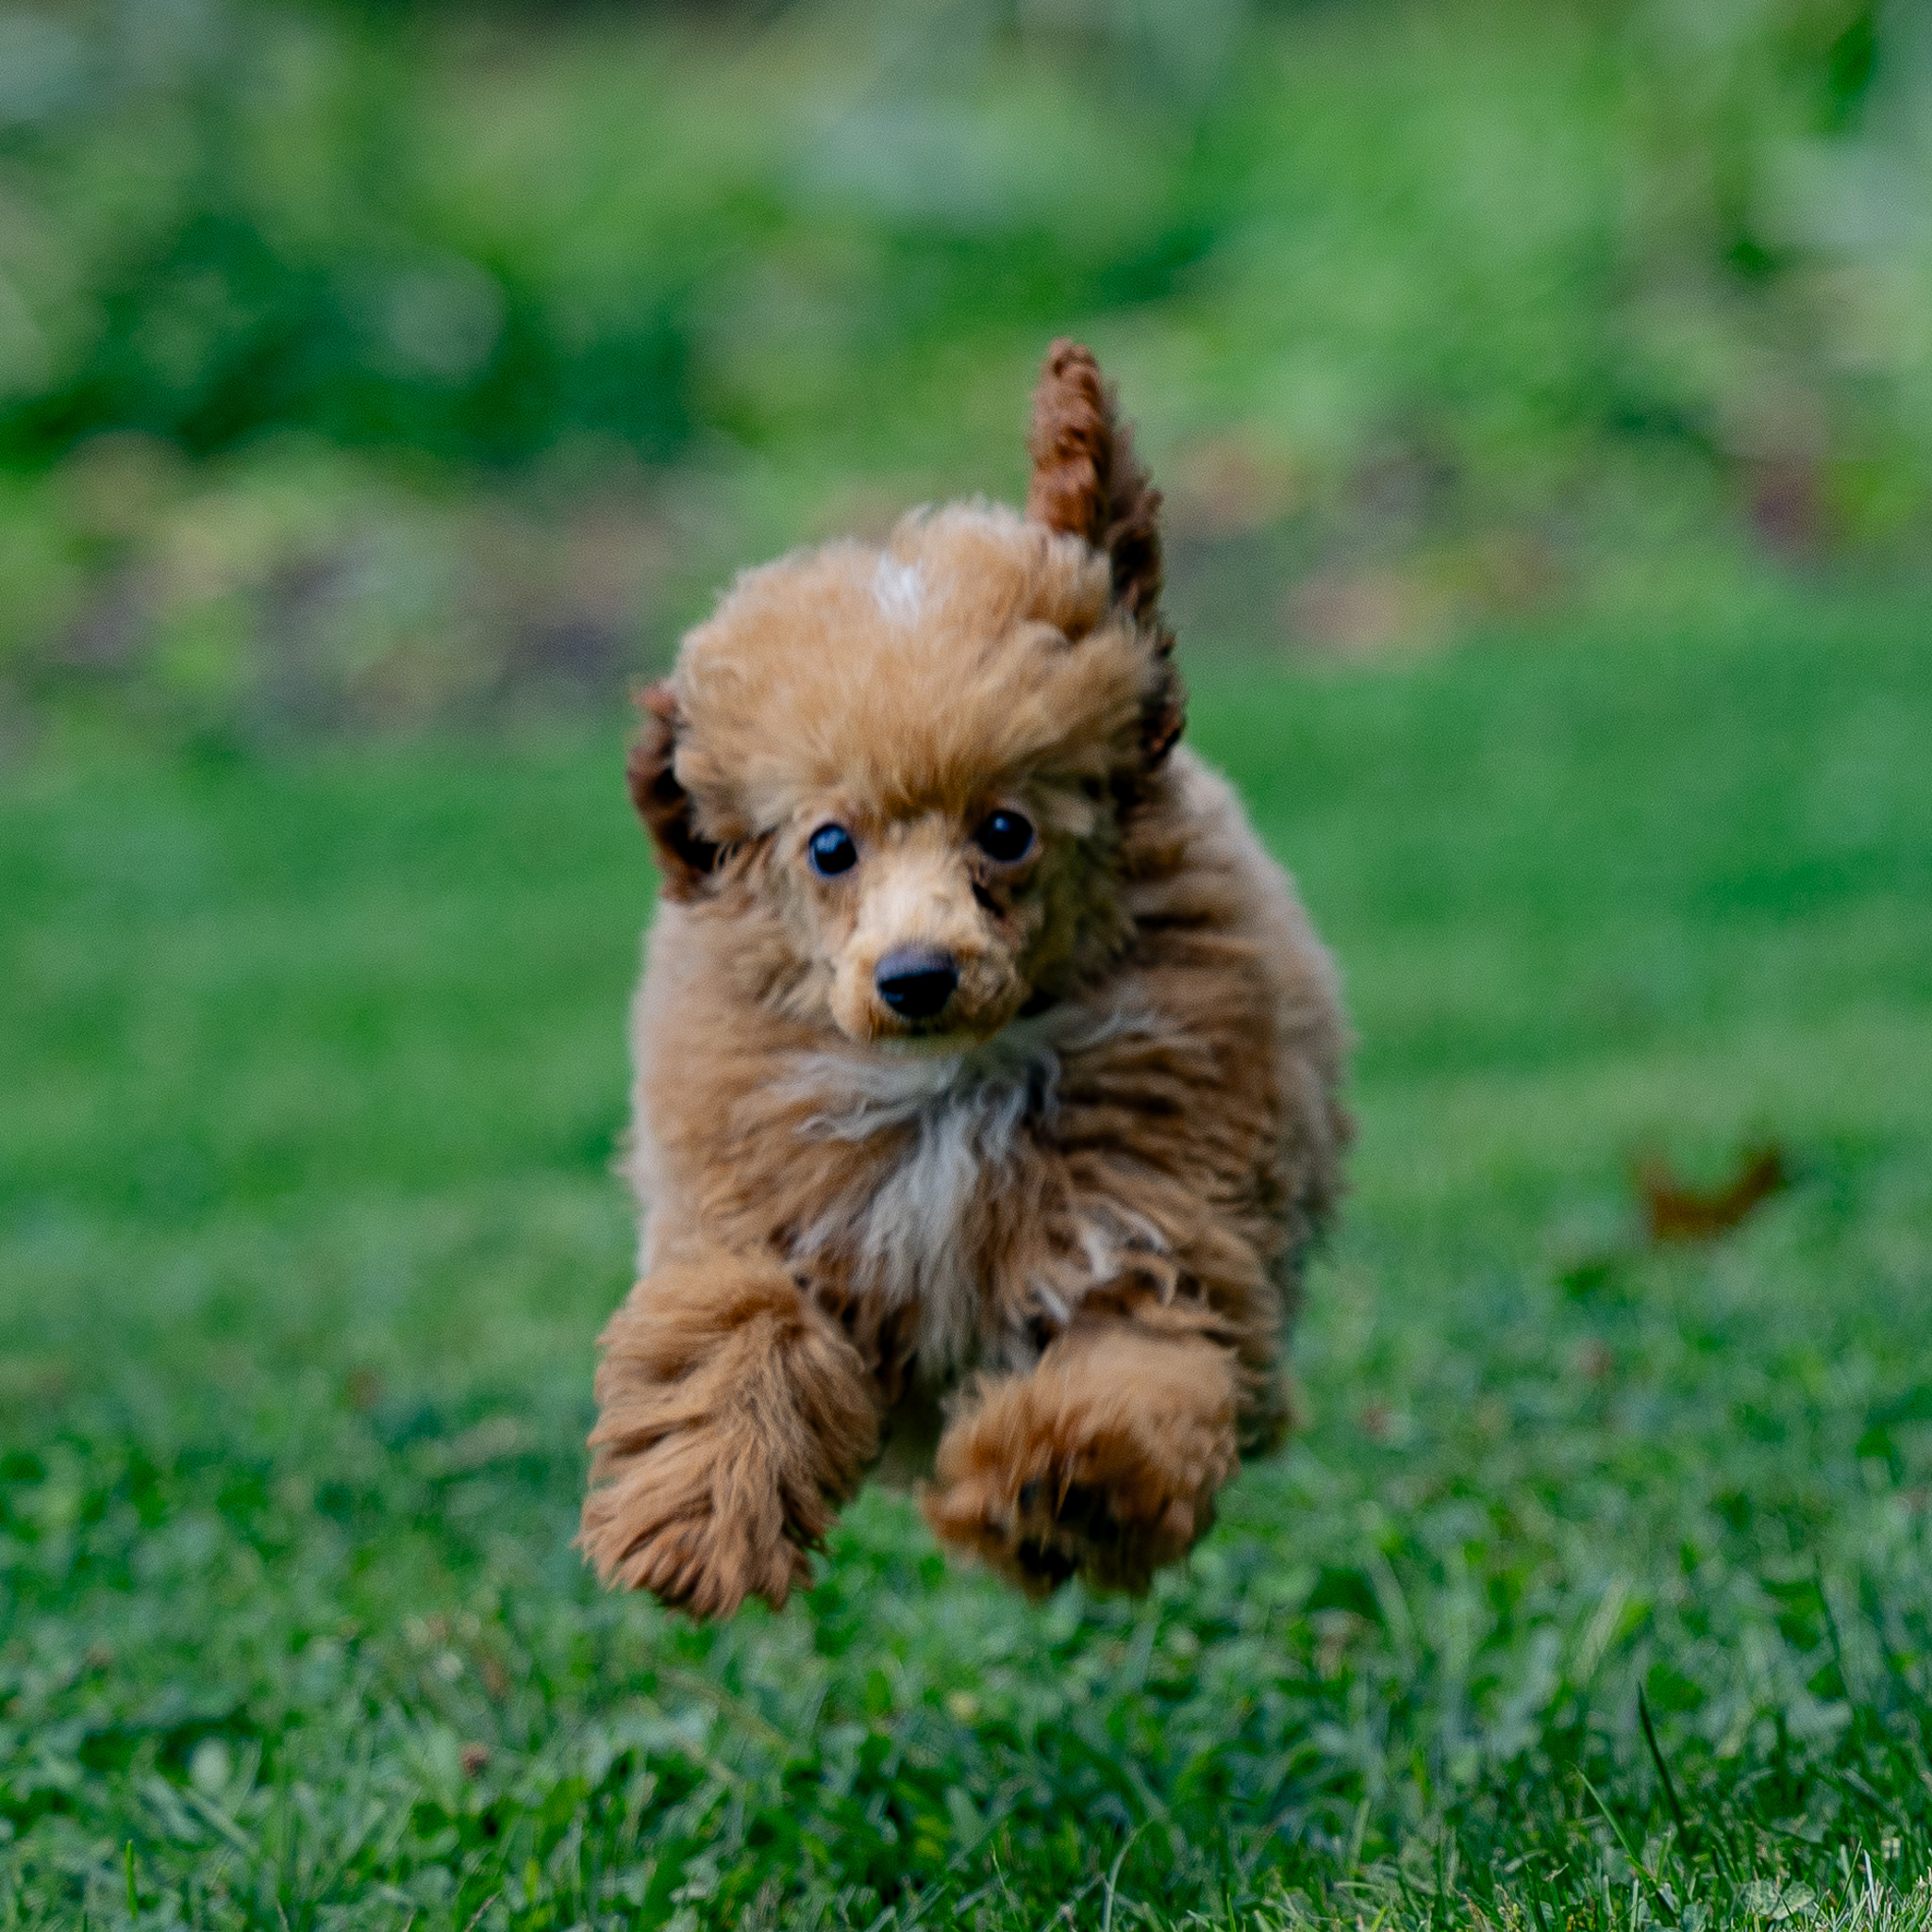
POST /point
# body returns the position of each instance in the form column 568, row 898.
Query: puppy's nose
column 916, row 981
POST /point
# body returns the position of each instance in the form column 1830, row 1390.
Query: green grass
column 310, row 1069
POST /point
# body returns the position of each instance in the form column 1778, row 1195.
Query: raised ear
column 1086, row 478
column 684, row 858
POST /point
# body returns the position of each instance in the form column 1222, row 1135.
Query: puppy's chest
column 928, row 1151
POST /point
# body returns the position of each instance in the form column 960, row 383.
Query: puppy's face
column 899, row 774
column 933, row 922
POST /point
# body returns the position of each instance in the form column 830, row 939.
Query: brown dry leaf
column 1676, row 1212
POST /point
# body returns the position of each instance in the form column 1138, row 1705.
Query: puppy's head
column 901, row 771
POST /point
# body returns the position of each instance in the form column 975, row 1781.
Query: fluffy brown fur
column 1042, row 1243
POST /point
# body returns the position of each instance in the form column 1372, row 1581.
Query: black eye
column 1005, row 836
column 832, row 851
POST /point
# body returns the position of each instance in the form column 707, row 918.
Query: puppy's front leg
column 733, row 1418
column 1102, row 1461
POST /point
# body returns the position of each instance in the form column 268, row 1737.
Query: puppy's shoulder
column 1193, row 861
column 1207, row 896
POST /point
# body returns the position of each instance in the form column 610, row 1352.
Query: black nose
column 916, row 981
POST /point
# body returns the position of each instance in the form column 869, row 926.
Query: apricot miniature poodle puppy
column 987, row 1066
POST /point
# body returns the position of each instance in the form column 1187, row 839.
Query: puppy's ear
column 684, row 858
column 1087, row 479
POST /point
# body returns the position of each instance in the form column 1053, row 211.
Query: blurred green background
column 383, row 364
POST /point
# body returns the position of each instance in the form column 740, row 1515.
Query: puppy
column 987, row 1066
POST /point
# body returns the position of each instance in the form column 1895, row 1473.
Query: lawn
column 1598, row 1592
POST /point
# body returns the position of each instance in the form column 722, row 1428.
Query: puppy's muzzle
column 916, row 981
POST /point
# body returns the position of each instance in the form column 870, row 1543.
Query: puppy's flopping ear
column 1087, row 479
column 685, row 859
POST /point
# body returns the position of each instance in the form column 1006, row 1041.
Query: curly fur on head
column 986, row 1065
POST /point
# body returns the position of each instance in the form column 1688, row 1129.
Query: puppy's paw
column 1039, row 1525
column 733, row 1421
column 698, row 1526
column 703, row 1564
column 1103, row 1465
